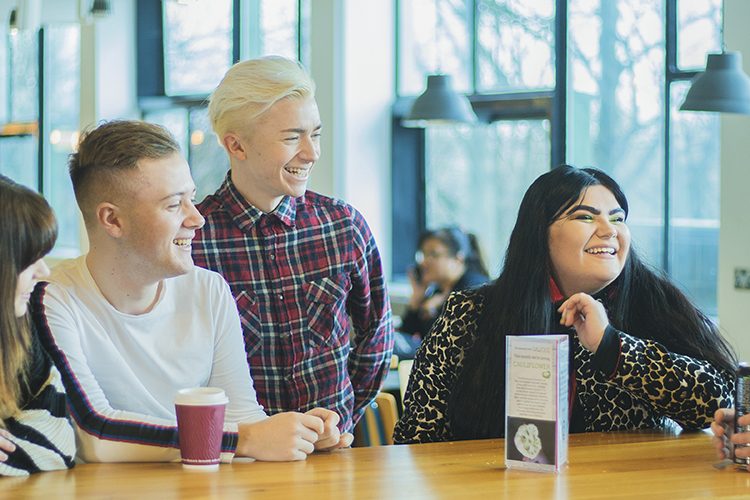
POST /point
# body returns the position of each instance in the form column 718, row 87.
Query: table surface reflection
column 611, row 465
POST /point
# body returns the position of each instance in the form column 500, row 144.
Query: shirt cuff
column 606, row 359
column 229, row 442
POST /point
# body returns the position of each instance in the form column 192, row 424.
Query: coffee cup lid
column 198, row 396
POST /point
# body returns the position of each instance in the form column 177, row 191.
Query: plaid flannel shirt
column 310, row 290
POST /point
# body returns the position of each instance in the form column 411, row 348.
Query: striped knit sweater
column 42, row 431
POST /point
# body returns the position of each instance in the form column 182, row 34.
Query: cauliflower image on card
column 527, row 440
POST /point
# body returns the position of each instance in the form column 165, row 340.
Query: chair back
column 379, row 421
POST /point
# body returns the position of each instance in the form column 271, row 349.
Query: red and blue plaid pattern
column 310, row 290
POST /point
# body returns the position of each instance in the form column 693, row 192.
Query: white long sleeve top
column 121, row 371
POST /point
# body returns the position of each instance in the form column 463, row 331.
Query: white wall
column 353, row 66
column 734, row 236
column 108, row 61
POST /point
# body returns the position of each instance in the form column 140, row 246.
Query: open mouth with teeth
column 601, row 251
column 299, row 173
column 182, row 242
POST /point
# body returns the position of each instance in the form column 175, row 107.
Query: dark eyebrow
column 299, row 130
column 593, row 210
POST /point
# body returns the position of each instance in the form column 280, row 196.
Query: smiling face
column 159, row 219
column 27, row 280
column 275, row 153
column 589, row 243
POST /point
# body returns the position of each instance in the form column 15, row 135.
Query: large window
column 200, row 40
column 44, row 121
column 586, row 82
column 622, row 102
column 494, row 163
column 475, row 176
column 197, row 45
column 19, row 138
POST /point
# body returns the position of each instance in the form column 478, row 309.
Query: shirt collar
column 245, row 215
column 554, row 292
column 557, row 297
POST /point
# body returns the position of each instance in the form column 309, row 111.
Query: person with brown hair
column 133, row 321
column 35, row 432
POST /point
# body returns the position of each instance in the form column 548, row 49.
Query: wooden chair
column 376, row 427
column 394, row 362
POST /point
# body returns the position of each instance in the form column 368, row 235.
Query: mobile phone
column 417, row 270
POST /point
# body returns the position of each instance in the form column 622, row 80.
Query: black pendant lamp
column 13, row 21
column 100, row 8
column 439, row 104
column 723, row 87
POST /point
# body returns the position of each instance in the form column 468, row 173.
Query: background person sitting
column 448, row 260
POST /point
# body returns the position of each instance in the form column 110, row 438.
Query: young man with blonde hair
column 133, row 321
column 304, row 268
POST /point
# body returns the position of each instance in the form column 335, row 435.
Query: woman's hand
column 418, row 289
column 587, row 316
column 6, row 445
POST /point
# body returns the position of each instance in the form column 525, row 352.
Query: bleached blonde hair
column 251, row 87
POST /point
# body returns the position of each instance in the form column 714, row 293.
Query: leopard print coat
column 646, row 386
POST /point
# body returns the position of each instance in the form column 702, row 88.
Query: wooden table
column 612, row 465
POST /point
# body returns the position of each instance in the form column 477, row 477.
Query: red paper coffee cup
column 200, row 425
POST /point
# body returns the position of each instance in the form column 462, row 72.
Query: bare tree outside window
column 197, row 45
column 616, row 120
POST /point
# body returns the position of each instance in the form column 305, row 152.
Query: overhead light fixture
column 25, row 16
column 100, row 8
column 91, row 10
column 723, row 87
column 439, row 104
column 13, row 21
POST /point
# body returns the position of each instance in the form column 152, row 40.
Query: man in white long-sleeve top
column 133, row 321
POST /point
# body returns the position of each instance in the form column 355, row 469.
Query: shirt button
column 281, row 298
column 272, row 256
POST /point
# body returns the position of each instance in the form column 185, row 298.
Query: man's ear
column 109, row 217
column 234, row 146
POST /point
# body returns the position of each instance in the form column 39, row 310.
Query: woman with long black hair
column 641, row 353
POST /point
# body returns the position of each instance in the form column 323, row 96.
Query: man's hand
column 282, row 437
column 331, row 438
column 723, row 427
column 724, row 436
